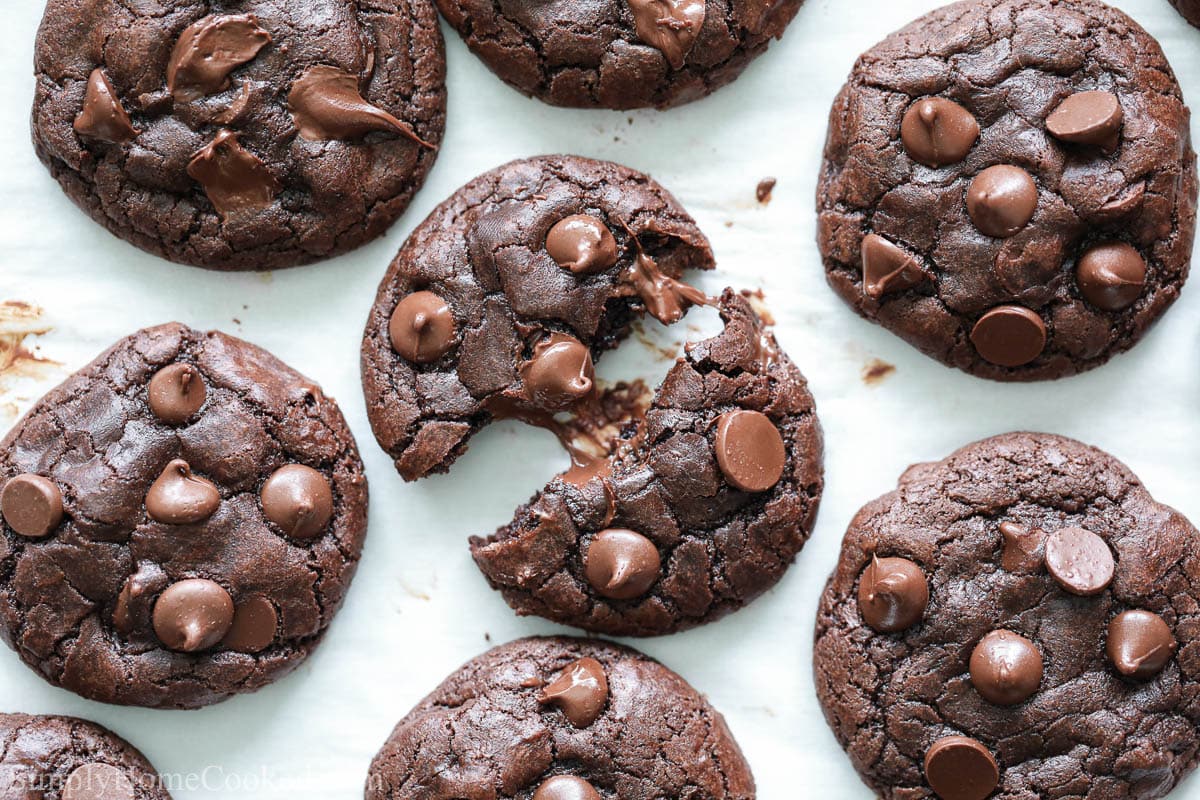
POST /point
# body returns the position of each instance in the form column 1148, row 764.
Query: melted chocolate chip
column 234, row 179
column 326, row 103
column 299, row 500
column 580, row 691
column 193, row 615
column 97, row 781
column 750, row 450
column 582, row 244
column 1023, row 547
column 1111, row 276
column 253, row 627
column 892, row 594
column 176, row 393
column 936, row 131
column 566, row 787
column 1006, row 668
column 622, row 564
column 559, row 374
column 209, row 49
column 1080, row 561
column 1140, row 643
column 102, row 116
column 665, row 298
column 1001, row 200
column 669, row 25
column 1010, row 336
column 32, row 505
column 422, row 327
column 178, row 497
column 887, row 267
column 960, row 768
column 1088, row 118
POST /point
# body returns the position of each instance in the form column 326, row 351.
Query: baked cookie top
column 181, row 520
column 1009, row 185
column 561, row 719
column 1016, row 621
column 240, row 134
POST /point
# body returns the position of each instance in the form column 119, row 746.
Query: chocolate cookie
column 561, row 719
column 72, row 759
column 182, row 518
column 1010, row 186
column 618, row 53
column 252, row 135
column 1190, row 10
column 1016, row 621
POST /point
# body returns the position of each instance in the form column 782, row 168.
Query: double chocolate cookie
column 181, row 520
column 1016, row 621
column 72, row 759
column 618, row 53
column 1190, row 10
column 561, row 719
column 1009, row 185
column 240, row 135
column 677, row 509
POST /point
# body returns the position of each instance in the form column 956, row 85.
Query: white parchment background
column 418, row 607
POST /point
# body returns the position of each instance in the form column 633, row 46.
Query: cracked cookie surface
column 182, row 519
column 561, row 718
column 618, row 54
column 1026, row 606
column 1077, row 238
column 240, row 134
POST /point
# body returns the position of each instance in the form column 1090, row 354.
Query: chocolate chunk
column 960, row 768
column 887, row 267
column 762, row 192
column 422, row 328
column 582, row 244
column 233, row 178
column 750, row 450
column 1006, row 668
column 325, row 103
column 1022, row 547
column 580, row 691
column 1111, row 276
column 176, row 393
column 670, row 25
column 299, row 500
column 622, row 564
column 1140, row 643
column 1088, row 118
column 179, row 497
column 566, row 787
column 208, row 50
column 254, row 624
column 937, row 132
column 892, row 594
column 32, row 505
column 1001, row 200
column 98, row 781
column 102, row 116
column 559, row 374
column 1080, row 561
column 193, row 615
column 1010, row 336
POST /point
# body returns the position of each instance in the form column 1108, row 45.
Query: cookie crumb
column 876, row 371
column 763, row 192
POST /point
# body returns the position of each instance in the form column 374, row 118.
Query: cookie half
column 619, row 53
column 1015, row 621
column 72, row 759
column 259, row 136
column 561, row 719
column 1010, row 186
column 182, row 518
column 1190, row 10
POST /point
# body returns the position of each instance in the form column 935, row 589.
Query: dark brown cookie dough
column 1009, row 185
column 1190, row 10
column 618, row 53
column 1016, row 621
column 561, row 719
column 71, row 759
column 182, row 518
column 248, row 135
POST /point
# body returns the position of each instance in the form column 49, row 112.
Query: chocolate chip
column 1001, row 200
column 176, row 393
column 193, row 615
column 960, row 768
column 1140, row 643
column 887, row 267
column 97, row 781
column 622, row 564
column 234, row 179
column 669, row 25
column 559, row 374
column 665, row 297
column 1088, row 118
column 102, row 116
column 1006, row 668
column 762, row 192
column 936, row 131
column 179, row 497
column 566, row 787
column 1111, row 276
column 422, row 327
column 892, row 594
column 32, row 505
column 582, row 244
column 750, row 450
column 254, row 624
column 1080, row 561
column 299, row 500
column 325, row 103
column 580, row 691
column 1022, row 547
column 208, row 50
column 132, row 609
column 1010, row 336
